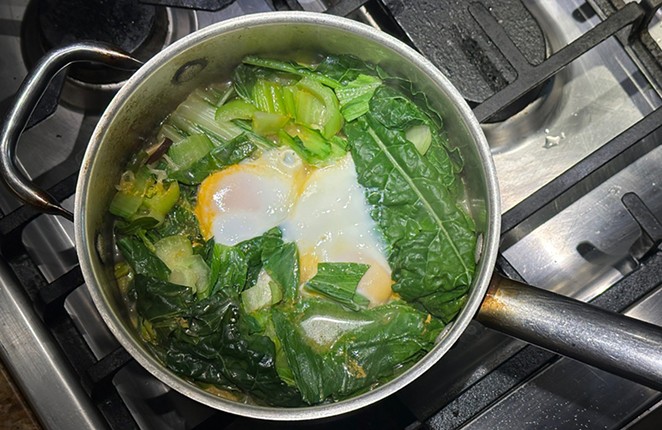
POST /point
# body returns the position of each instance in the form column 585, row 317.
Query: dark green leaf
column 370, row 346
column 248, row 361
column 161, row 302
column 141, row 259
column 181, row 221
column 229, row 268
column 222, row 156
column 445, row 304
column 338, row 282
column 394, row 110
column 282, row 265
column 432, row 241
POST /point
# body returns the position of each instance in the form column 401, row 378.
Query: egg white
column 247, row 199
column 323, row 210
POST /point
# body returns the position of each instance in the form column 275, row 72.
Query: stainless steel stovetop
column 580, row 244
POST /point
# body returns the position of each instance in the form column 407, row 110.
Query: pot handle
column 613, row 342
column 25, row 101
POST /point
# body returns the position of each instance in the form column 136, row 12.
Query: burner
column 124, row 23
column 136, row 28
column 142, row 30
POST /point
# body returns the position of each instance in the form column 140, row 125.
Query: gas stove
column 568, row 94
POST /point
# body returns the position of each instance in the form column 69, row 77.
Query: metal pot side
column 208, row 56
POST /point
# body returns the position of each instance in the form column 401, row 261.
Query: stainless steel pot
column 610, row 341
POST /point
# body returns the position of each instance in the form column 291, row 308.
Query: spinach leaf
column 253, row 249
column 161, row 302
column 394, row 110
column 338, row 281
column 445, row 304
column 228, row 269
column 282, row 264
column 344, row 68
column 370, row 346
column 181, row 221
column 206, row 340
column 431, row 238
column 141, row 259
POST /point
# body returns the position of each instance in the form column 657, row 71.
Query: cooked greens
column 243, row 318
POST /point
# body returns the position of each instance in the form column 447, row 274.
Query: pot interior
column 208, row 56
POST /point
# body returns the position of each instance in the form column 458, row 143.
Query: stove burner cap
column 124, row 23
column 128, row 24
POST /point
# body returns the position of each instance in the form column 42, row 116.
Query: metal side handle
column 27, row 97
column 613, row 342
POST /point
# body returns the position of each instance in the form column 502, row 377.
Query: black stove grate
column 393, row 412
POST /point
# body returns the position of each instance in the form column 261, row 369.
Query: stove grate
column 96, row 375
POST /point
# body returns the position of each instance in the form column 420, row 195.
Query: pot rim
column 452, row 332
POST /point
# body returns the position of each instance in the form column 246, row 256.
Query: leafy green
column 338, row 282
column 226, row 154
column 253, row 249
column 282, row 264
column 161, row 302
column 369, row 346
column 329, row 121
column 291, row 67
column 431, row 238
column 354, row 97
column 181, row 220
column 344, row 68
column 394, row 110
column 196, row 115
column 445, row 304
column 207, row 342
column 141, row 259
column 228, row 269
column 233, row 316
